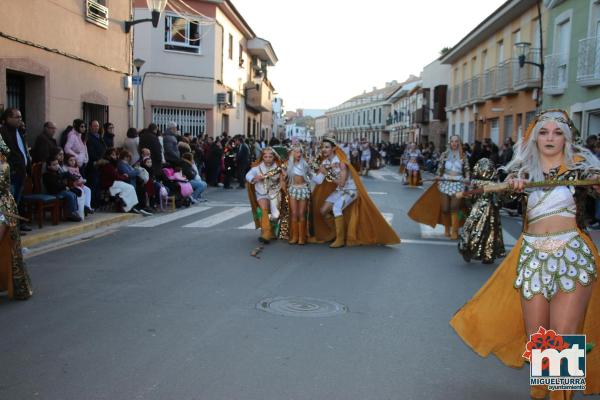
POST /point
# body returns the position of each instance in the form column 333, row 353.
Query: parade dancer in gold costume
column 549, row 278
column 341, row 208
column 481, row 236
column 13, row 275
column 266, row 182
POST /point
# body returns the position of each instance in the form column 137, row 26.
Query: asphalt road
column 175, row 311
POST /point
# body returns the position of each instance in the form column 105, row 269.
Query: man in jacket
column 45, row 144
column 96, row 149
column 170, row 144
column 242, row 160
column 18, row 159
column 149, row 140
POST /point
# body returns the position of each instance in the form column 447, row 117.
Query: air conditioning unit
column 221, row 98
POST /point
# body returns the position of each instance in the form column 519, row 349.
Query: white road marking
column 251, row 225
column 377, row 175
column 377, row 193
column 389, row 217
column 222, row 204
column 452, row 243
column 218, row 218
column 428, row 232
column 163, row 219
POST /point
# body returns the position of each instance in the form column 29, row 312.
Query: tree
column 444, row 51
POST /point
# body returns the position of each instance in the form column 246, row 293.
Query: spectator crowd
column 85, row 167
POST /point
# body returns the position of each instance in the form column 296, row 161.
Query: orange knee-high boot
column 265, row 227
column 454, row 232
column 340, row 233
column 301, row 232
column 293, row 232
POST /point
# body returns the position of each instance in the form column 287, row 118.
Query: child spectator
column 56, row 184
column 77, row 182
column 152, row 186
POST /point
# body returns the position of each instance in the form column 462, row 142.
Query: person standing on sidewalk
column 18, row 157
column 171, row 150
column 149, row 140
column 95, row 149
column 242, row 161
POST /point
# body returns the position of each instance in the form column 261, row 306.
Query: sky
column 331, row 50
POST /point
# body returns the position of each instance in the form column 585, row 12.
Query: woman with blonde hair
column 440, row 204
column 548, row 279
column 298, row 175
column 412, row 166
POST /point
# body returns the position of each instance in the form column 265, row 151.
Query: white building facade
column 320, row 127
column 362, row 116
column 278, row 118
column 293, row 131
column 198, row 68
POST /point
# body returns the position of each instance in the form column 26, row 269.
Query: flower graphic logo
column 545, row 339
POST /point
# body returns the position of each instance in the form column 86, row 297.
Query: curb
column 74, row 230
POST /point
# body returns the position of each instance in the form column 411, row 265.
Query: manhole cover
column 301, row 307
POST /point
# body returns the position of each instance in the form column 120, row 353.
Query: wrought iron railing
column 555, row 73
column 588, row 62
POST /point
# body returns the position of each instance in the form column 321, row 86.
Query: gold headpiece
column 552, row 115
column 330, row 139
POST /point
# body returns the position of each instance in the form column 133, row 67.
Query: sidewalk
column 65, row 230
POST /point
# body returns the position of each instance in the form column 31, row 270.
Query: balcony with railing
column 489, row 83
column 555, row 74
column 588, row 62
column 475, row 96
column 465, row 93
column 504, row 77
column 529, row 76
column 257, row 97
column 456, row 96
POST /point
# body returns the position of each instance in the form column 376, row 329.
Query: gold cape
column 364, row 223
column 427, row 209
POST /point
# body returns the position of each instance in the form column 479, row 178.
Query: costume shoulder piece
column 4, row 148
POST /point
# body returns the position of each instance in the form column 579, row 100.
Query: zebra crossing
column 385, row 175
column 428, row 232
column 236, row 216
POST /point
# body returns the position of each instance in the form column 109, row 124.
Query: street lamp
column 156, row 7
column 523, row 52
column 137, row 63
